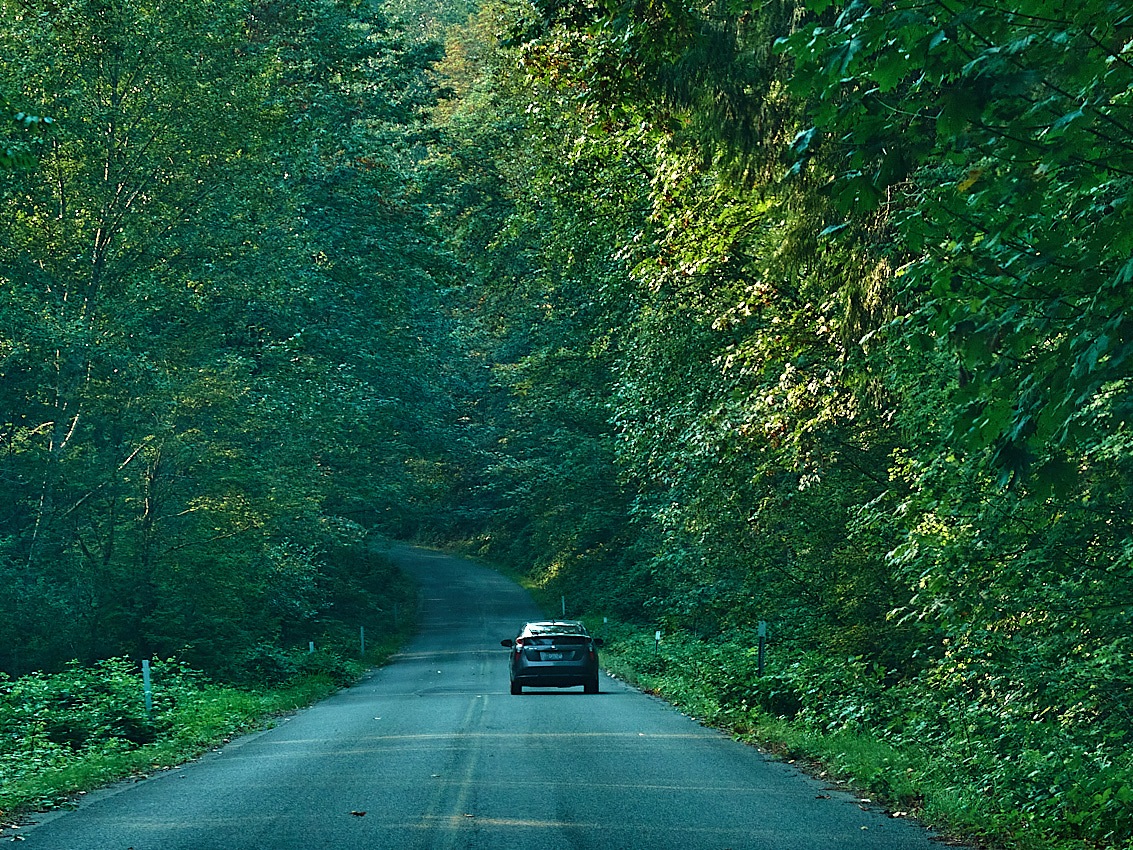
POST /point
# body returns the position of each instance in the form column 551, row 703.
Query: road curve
column 433, row 753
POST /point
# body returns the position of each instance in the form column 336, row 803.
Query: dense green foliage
column 216, row 339
column 818, row 314
column 808, row 312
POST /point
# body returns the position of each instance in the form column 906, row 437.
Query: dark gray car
column 554, row 654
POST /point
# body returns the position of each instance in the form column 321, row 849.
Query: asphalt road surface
column 433, row 753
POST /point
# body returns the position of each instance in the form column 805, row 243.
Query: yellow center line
column 518, row 737
column 465, row 822
column 449, row 823
column 464, row 786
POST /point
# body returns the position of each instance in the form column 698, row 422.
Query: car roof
column 554, row 627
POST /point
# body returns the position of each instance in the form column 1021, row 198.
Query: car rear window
column 557, row 640
column 555, row 629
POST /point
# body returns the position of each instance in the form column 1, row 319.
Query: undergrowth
column 999, row 778
column 67, row 733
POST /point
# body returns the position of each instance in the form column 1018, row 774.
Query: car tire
column 516, row 688
column 591, row 687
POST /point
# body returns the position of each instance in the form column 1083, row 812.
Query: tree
column 998, row 142
column 204, row 284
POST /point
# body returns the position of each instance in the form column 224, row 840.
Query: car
column 553, row 654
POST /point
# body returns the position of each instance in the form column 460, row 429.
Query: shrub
column 267, row 665
column 333, row 666
column 79, row 706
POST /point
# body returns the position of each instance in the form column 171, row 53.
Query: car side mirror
column 599, row 642
column 507, row 642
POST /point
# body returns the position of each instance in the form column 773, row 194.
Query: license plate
column 552, row 656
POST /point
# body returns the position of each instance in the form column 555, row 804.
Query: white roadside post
column 147, row 688
column 762, row 642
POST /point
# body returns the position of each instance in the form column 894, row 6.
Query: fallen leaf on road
column 822, row 797
column 358, row 814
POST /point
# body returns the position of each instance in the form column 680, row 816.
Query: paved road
column 438, row 755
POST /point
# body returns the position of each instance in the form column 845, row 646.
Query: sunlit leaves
column 21, row 140
column 1020, row 116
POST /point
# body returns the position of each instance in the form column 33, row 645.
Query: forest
column 810, row 313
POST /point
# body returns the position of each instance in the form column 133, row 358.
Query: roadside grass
column 66, row 734
column 854, row 732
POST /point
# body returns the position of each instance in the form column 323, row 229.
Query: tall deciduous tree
column 214, row 285
column 999, row 141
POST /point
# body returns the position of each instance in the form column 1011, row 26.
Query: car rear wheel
column 516, row 688
column 591, row 687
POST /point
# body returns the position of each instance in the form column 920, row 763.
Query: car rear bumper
column 553, row 681
column 554, row 675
